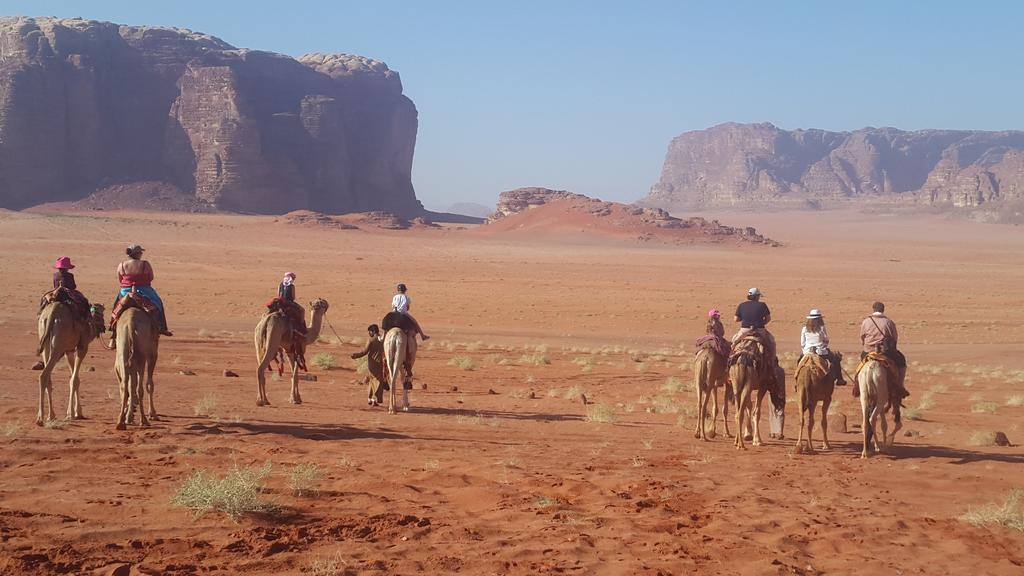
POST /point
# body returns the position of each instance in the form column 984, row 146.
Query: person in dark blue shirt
column 754, row 316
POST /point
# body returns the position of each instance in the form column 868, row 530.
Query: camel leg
column 714, row 411
column 122, row 386
column 406, row 405
column 824, row 424
column 261, row 381
column 703, row 415
column 866, row 422
column 882, row 445
column 74, row 359
column 725, row 408
column 138, row 385
column 742, row 397
column 756, row 418
column 150, row 386
column 46, row 387
column 800, row 433
column 810, row 428
column 393, row 396
column 295, row 399
column 698, row 431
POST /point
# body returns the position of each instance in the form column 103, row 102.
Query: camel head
column 319, row 305
column 98, row 309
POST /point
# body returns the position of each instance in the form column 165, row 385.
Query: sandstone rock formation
column 86, row 105
column 537, row 212
column 738, row 165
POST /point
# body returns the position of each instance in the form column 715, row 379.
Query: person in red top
column 137, row 274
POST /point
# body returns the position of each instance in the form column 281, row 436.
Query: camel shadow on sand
column 923, row 452
column 500, row 414
column 300, row 430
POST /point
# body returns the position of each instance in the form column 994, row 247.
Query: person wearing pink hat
column 715, row 329
column 63, row 279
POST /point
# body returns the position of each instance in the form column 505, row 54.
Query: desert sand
column 518, row 481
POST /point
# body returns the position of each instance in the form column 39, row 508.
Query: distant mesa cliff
column 86, row 105
column 737, row 165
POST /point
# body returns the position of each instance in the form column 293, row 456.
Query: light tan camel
column 814, row 383
column 747, row 373
column 274, row 333
column 710, row 372
column 399, row 358
column 61, row 335
column 874, row 380
column 138, row 343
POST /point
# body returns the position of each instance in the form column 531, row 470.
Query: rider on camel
column 814, row 340
column 295, row 312
column 401, row 303
column 878, row 334
column 753, row 316
column 63, row 278
column 136, row 275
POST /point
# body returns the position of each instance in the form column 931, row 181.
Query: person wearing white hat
column 754, row 316
column 814, row 340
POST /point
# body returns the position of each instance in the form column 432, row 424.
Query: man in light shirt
column 401, row 303
column 878, row 334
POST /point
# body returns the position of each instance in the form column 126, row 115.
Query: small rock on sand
column 453, row 389
column 491, row 391
column 186, row 373
column 37, row 366
column 583, row 398
column 230, row 374
column 1002, row 440
column 308, row 377
column 423, row 386
column 837, row 423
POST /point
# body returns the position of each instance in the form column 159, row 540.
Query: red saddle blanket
column 134, row 300
column 76, row 300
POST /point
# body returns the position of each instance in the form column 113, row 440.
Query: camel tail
column 47, row 331
column 396, row 357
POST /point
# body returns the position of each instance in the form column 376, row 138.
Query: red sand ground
column 503, row 483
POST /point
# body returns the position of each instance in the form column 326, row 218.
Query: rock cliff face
column 733, row 165
column 85, row 105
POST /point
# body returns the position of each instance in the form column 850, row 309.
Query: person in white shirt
column 814, row 340
column 401, row 303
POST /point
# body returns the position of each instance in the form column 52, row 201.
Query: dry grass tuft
column 1009, row 514
column 328, row 567
column 984, row 408
column 237, row 493
column 1015, row 400
column 982, row 439
column 13, row 428
column 673, row 385
column 205, row 405
column 600, row 412
column 463, row 362
column 538, row 359
column 304, row 479
column 574, row 392
column 324, row 361
column 57, row 424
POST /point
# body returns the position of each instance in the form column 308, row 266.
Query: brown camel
column 399, row 357
column 273, row 334
column 710, row 372
column 747, row 373
column 814, row 383
column 138, row 342
column 62, row 335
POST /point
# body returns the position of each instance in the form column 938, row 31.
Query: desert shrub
column 927, row 401
column 328, row 567
column 205, row 405
column 238, row 492
column 463, row 362
column 574, row 392
column 12, row 428
column 982, row 439
column 56, row 424
column 911, row 413
column 666, row 405
column 520, row 393
column 1010, row 513
column 1015, row 400
column 304, row 479
column 554, row 393
column 673, row 385
column 362, row 365
column 539, row 359
column 984, row 407
column 600, row 412
column 324, row 361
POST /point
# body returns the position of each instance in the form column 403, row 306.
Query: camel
column 814, row 384
column 746, row 371
column 873, row 379
column 710, row 371
column 138, row 342
column 273, row 334
column 62, row 335
column 399, row 358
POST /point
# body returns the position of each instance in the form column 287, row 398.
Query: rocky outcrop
column 85, row 105
column 536, row 212
column 740, row 165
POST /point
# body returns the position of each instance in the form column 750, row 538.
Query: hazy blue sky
column 586, row 95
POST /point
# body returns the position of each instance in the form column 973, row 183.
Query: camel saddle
column 881, row 358
column 715, row 344
column 750, row 344
column 134, row 300
column 396, row 320
column 297, row 348
column 76, row 300
column 812, row 361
